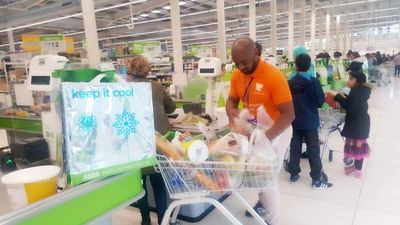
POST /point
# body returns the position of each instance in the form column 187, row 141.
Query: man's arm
column 285, row 120
column 232, row 109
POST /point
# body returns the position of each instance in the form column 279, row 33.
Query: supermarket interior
column 179, row 112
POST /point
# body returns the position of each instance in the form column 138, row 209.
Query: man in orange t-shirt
column 257, row 83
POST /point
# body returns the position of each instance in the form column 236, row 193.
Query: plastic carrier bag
column 108, row 128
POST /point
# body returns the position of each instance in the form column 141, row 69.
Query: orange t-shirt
column 265, row 86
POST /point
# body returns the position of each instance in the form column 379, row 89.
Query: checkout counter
column 76, row 205
column 90, row 203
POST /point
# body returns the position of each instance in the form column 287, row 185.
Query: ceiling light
column 144, row 15
column 156, row 11
column 182, row 3
column 167, row 7
column 69, row 16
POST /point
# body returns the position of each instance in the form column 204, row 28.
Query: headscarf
column 298, row 50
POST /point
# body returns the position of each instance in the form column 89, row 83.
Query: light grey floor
column 373, row 200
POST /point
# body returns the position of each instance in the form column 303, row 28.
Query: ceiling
column 198, row 19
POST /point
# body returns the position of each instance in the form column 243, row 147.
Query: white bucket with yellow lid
column 29, row 185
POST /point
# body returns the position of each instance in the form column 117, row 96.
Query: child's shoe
column 294, row 179
column 321, row 184
column 356, row 173
column 349, row 170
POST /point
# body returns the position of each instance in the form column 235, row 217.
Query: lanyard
column 246, row 95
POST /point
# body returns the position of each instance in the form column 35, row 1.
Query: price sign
column 52, row 43
column 47, row 43
column 201, row 51
column 150, row 49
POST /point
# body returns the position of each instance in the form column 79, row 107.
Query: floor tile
column 380, row 190
column 373, row 217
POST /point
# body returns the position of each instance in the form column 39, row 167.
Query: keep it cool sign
column 108, row 129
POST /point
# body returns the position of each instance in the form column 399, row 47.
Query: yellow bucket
column 31, row 184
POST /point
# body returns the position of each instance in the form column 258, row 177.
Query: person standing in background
column 356, row 62
column 378, row 58
column 357, row 122
column 298, row 50
column 308, row 96
column 259, row 49
column 396, row 61
column 162, row 105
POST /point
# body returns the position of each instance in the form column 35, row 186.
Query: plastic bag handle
column 98, row 78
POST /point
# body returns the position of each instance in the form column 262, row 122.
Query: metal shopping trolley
column 330, row 122
column 381, row 74
column 189, row 183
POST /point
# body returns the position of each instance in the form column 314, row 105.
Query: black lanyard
column 246, row 95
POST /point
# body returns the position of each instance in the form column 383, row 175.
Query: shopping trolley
column 381, row 74
column 330, row 122
column 189, row 183
column 387, row 70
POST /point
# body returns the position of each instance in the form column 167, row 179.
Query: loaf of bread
column 207, row 182
column 166, row 149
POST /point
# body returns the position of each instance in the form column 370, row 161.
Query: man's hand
column 232, row 110
column 285, row 120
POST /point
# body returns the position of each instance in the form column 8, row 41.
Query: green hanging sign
column 147, row 48
column 201, row 51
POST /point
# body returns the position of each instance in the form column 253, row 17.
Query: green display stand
column 23, row 124
column 195, row 89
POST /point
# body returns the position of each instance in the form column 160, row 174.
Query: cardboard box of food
column 17, row 74
column 3, row 85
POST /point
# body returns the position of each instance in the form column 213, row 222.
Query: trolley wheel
column 330, row 155
column 286, row 165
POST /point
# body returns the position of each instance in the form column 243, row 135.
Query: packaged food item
column 193, row 150
column 207, row 182
column 230, row 144
column 166, row 148
column 193, row 120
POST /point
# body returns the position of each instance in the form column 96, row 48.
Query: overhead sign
column 149, row 49
column 201, row 51
column 52, row 43
column 47, row 43
column 31, row 43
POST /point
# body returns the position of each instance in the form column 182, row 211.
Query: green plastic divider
column 28, row 125
column 92, row 204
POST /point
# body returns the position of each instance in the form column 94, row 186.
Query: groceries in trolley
column 242, row 159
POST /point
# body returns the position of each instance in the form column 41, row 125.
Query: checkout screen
column 40, row 80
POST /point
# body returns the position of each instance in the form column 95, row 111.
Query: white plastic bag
column 262, row 150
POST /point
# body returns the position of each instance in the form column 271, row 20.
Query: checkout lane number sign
column 52, row 43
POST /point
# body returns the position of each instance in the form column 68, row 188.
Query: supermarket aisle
column 373, row 200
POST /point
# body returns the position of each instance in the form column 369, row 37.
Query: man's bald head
column 244, row 55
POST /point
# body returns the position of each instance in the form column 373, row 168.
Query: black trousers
column 397, row 70
column 160, row 197
column 358, row 164
column 313, row 151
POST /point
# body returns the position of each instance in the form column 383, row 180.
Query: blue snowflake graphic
column 125, row 124
column 87, row 122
